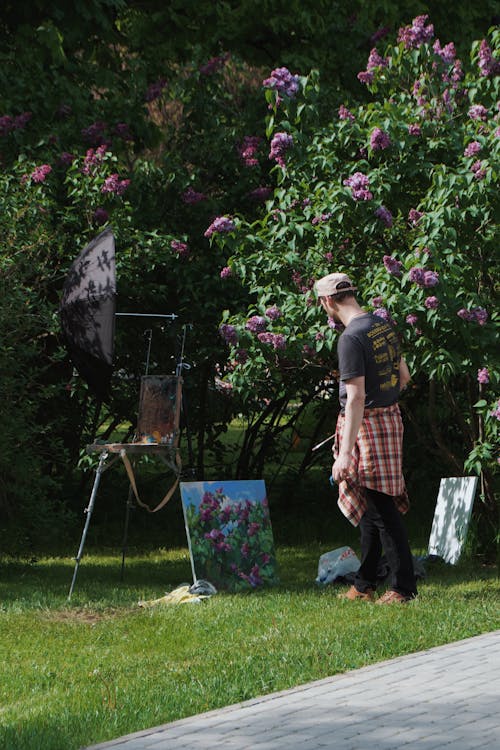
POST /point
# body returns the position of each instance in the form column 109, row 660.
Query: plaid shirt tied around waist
column 377, row 461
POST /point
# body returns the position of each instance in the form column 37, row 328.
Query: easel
column 164, row 444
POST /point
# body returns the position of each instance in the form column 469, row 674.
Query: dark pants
column 382, row 528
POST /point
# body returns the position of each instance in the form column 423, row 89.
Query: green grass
column 76, row 673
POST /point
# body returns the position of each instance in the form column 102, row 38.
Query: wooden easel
column 166, row 447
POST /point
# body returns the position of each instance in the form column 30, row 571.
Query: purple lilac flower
column 222, row 224
column 334, row 325
column 100, row 216
column 93, row 158
column 6, row 125
column 496, row 412
column 480, row 315
column 180, row 248
column 478, row 112
column 376, row 61
column 190, row 196
column 416, row 34
column 94, row 133
column 417, row 275
column 155, row 90
column 260, row 194
column 457, row 73
column 256, row 324
column 431, row 303
column 472, row 149
column 228, row 333
column 414, row 129
column 226, row 272
column 280, row 144
column 113, row 184
column 245, row 549
column 214, row 64
column 122, row 130
column 365, row 76
column 412, row 319
column 40, row 173
column 359, row 184
column 277, row 340
column 431, row 278
column 392, row 265
column 379, row 140
column 321, row 218
column 380, row 34
column 282, row 81
column 377, row 302
column 253, row 528
column 414, row 216
column 488, row 66
column 477, row 169
column 248, row 150
column 66, row 158
column 344, row 113
column 273, row 313
column 384, row 215
column 446, row 53
column 483, row 376
column 383, row 313
column 477, row 315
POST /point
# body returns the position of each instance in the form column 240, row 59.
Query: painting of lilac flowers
column 229, row 533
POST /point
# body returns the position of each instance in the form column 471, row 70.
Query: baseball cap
column 328, row 285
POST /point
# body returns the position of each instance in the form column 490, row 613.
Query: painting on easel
column 229, row 533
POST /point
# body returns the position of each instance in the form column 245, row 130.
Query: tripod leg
column 130, row 504
column 88, row 511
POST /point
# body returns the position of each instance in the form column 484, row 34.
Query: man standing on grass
column 369, row 440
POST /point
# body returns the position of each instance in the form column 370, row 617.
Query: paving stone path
column 445, row 697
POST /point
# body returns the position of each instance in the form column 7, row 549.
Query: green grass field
column 75, row 673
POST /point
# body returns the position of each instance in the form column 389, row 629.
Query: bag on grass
column 336, row 564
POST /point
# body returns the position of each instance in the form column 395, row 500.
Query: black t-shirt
column 369, row 346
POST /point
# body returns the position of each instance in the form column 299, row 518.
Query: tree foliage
column 152, row 118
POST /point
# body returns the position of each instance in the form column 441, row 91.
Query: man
column 369, row 440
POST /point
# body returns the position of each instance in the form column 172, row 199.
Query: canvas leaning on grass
column 229, row 533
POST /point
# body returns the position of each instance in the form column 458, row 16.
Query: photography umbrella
column 87, row 312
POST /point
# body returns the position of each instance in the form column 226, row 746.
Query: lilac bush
column 415, row 226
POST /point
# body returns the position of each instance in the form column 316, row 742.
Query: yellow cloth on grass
column 179, row 595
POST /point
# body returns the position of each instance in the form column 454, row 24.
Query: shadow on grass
column 99, row 583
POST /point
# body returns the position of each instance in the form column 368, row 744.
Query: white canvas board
column 451, row 517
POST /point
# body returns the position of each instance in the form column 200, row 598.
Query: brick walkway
column 444, row 697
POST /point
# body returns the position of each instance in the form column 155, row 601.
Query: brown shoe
column 393, row 597
column 354, row 594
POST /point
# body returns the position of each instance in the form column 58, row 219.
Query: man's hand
column 340, row 469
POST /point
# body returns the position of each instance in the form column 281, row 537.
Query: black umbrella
column 87, row 312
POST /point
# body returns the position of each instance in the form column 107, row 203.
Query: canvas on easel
column 229, row 533
column 451, row 517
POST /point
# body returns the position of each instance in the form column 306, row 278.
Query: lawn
column 75, row 673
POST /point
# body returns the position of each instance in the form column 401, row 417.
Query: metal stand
column 162, row 451
column 88, row 510
column 129, row 506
